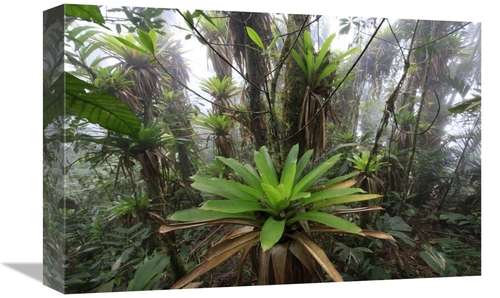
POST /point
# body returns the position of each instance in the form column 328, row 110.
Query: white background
column 21, row 140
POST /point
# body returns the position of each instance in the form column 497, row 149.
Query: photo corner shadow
column 33, row 270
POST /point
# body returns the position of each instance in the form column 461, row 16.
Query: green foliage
column 345, row 137
column 451, row 258
column 151, row 137
column 220, row 125
column 465, row 224
column 215, row 168
column 97, row 254
column 276, row 211
column 368, row 167
column 149, row 273
column 111, row 79
column 190, row 16
column 360, row 266
column 466, row 105
column 129, row 207
column 459, row 85
column 396, row 227
column 86, row 101
column 254, row 36
column 221, row 89
column 360, row 162
column 361, row 269
column 317, row 68
column 148, row 41
column 346, row 24
column 90, row 13
column 406, row 119
column 351, row 255
column 140, row 18
column 399, row 202
column 437, row 261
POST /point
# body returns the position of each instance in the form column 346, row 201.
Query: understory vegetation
column 317, row 149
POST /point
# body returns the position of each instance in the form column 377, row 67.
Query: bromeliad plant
column 221, row 90
column 221, row 126
column 275, row 217
column 320, row 74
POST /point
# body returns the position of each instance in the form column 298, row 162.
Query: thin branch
column 199, row 95
column 419, row 113
column 420, row 46
column 430, row 125
column 389, row 105
column 441, row 37
column 396, row 38
column 217, row 53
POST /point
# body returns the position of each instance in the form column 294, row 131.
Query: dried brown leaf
column 223, row 252
column 318, row 254
column 264, row 262
column 186, row 225
column 280, row 259
column 343, row 184
column 305, row 259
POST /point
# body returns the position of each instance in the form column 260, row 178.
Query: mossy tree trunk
column 295, row 87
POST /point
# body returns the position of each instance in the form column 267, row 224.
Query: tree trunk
column 254, row 65
column 295, row 87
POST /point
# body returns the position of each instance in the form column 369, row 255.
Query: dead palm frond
column 237, row 25
column 313, row 118
column 136, row 64
column 376, row 64
column 171, row 55
column 216, row 33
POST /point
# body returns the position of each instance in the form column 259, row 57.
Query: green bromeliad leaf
column 198, row 214
column 305, row 183
column 301, row 164
column 299, row 61
column 287, row 178
column 271, row 232
column 344, row 200
column 249, row 176
column 291, row 158
column 326, row 219
column 326, row 71
column 236, row 206
column 330, row 194
column 226, row 188
column 300, row 195
column 265, row 166
column 148, row 40
column 273, row 194
column 131, row 45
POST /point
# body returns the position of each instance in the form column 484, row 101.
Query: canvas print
column 208, row 149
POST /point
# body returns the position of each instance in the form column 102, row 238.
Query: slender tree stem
column 389, row 105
